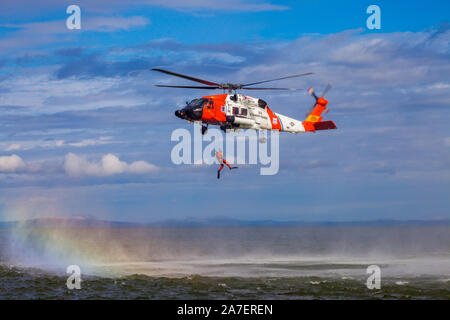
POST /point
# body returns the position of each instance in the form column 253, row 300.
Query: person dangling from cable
column 222, row 161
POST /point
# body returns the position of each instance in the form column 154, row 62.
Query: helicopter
column 233, row 111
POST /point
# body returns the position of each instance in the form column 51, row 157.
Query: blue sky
column 68, row 100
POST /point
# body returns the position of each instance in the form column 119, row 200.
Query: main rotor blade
column 291, row 89
column 326, row 90
column 310, row 110
column 186, row 87
column 209, row 83
column 288, row 77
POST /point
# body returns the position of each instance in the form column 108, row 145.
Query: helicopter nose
column 192, row 114
column 180, row 114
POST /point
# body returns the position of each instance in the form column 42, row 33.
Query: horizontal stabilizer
column 324, row 125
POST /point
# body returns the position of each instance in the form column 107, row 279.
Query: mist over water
column 305, row 256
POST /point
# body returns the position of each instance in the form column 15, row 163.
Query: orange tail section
column 314, row 121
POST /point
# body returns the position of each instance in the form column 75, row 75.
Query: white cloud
column 109, row 24
column 109, row 165
column 13, row 146
column 49, row 95
column 114, row 6
column 88, row 142
column 112, row 165
column 11, row 163
column 141, row 167
column 100, row 24
column 230, row 5
column 41, row 33
column 34, row 144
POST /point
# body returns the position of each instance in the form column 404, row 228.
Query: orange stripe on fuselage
column 275, row 125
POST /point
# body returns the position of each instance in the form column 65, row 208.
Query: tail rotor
column 316, row 98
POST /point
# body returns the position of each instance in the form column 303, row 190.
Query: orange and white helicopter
column 235, row 111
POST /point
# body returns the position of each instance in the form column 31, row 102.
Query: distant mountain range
column 210, row 222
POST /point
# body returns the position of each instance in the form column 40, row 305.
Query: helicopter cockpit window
column 196, row 103
column 244, row 112
column 235, row 110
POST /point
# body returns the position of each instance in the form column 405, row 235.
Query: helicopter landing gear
column 204, row 129
column 262, row 137
column 224, row 128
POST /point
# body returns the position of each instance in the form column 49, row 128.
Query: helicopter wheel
column 204, row 129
